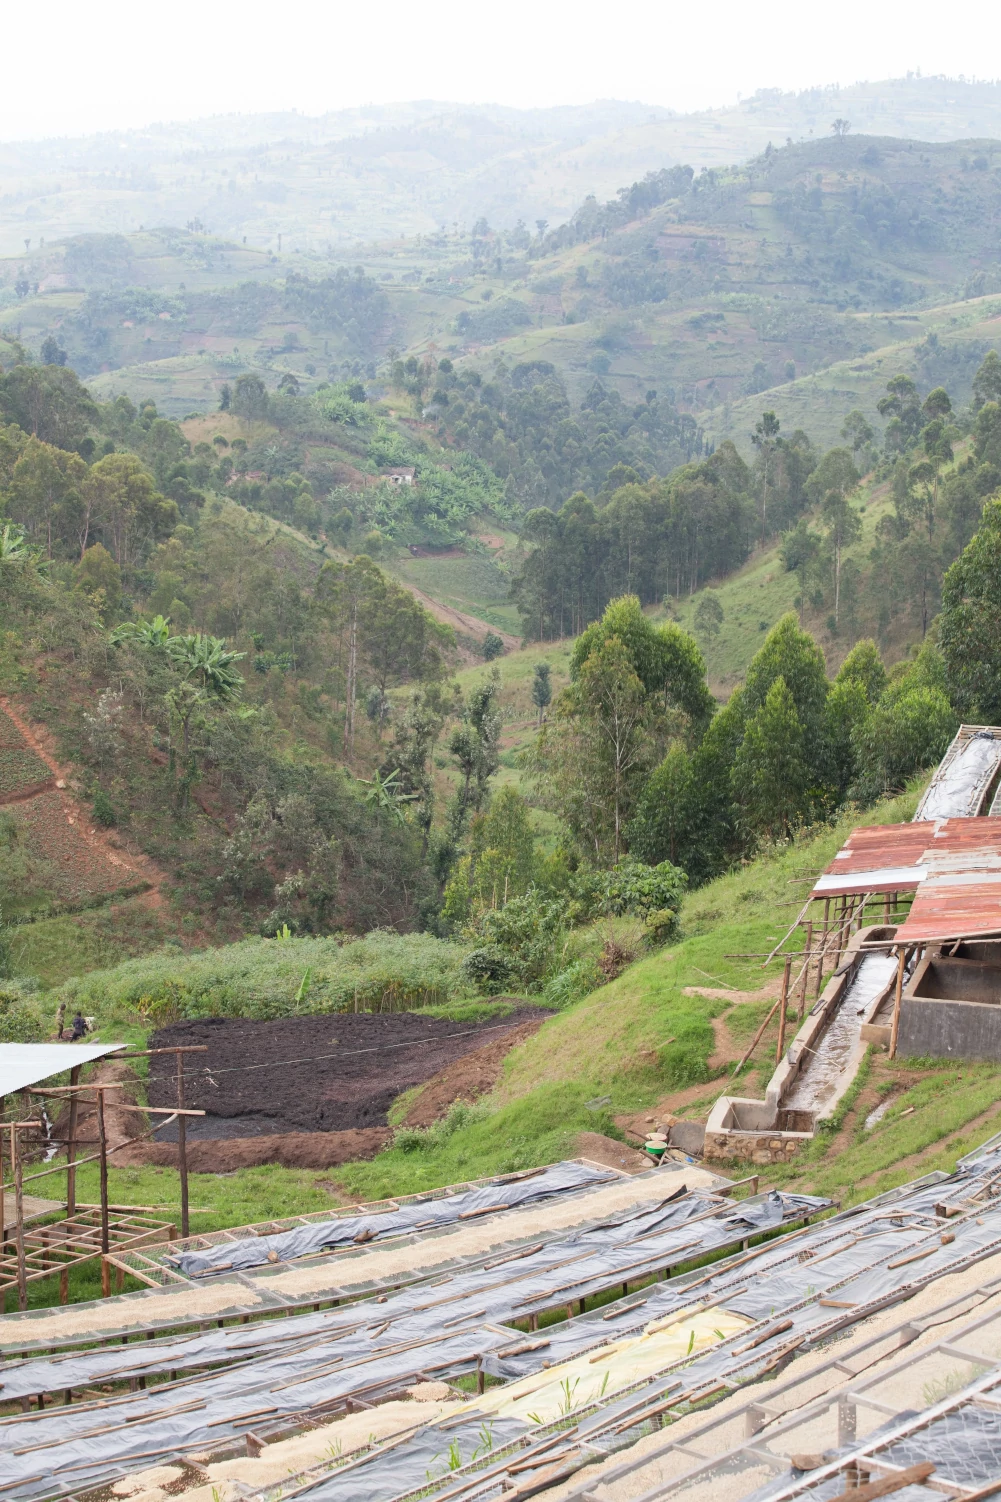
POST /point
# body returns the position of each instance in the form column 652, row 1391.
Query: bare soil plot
column 326, row 1073
column 472, row 1075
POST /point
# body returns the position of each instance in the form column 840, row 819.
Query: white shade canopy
column 24, row 1064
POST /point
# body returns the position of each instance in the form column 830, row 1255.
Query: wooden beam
column 182, row 1145
column 780, row 1047
column 22, row 1280
column 897, row 996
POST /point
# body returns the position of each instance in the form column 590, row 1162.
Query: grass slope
column 661, row 1037
column 897, row 343
column 650, row 1041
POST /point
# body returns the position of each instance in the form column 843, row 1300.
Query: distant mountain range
column 361, row 175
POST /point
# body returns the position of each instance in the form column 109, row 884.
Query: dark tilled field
column 310, row 1074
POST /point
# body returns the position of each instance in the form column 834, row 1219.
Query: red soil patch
column 602, row 1149
column 471, row 1076
column 22, row 771
column 82, row 866
column 290, row 1149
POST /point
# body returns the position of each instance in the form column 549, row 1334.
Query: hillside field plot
column 78, row 870
column 21, row 771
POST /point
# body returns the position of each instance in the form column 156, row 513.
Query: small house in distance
column 402, row 476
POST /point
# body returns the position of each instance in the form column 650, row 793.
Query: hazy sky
column 74, row 68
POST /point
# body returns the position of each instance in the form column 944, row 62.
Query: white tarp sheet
column 24, row 1064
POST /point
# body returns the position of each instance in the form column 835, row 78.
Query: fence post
column 182, row 1145
column 781, row 1045
column 22, row 1272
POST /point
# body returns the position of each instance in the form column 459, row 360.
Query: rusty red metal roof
column 953, row 866
column 940, row 912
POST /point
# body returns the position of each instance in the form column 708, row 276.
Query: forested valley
column 427, row 602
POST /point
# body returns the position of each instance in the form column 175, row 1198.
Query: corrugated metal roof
column 947, row 911
column 24, row 1064
column 953, row 866
column 901, row 857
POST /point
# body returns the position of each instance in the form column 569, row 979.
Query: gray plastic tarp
column 853, row 1235
column 958, row 790
column 592, row 1257
column 307, row 1240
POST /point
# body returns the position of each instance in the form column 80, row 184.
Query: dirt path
column 104, row 844
column 468, row 625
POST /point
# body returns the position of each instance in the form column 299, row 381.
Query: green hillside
column 662, row 1037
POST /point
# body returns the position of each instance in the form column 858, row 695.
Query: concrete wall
column 949, row 1029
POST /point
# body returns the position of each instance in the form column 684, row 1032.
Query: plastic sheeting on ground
column 307, row 1240
column 548, row 1395
column 78, row 1445
column 779, row 1286
column 492, row 1288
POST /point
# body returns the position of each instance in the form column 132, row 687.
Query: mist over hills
column 367, row 174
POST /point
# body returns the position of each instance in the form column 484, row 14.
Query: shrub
column 572, row 984
column 19, row 1021
column 491, row 969
column 460, row 1114
column 527, row 929
column 660, row 926
column 633, row 888
column 103, row 810
column 385, row 971
column 629, row 889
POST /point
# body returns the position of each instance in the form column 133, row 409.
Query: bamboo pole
column 806, row 972
column 822, row 950
column 757, row 1038
column 71, row 1145
column 22, row 1278
column 780, row 1047
column 93, row 1157
column 102, row 1138
column 799, row 918
column 897, row 995
column 182, row 1146
column 839, row 927
column 64, row 1277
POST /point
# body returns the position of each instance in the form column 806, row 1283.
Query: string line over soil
column 327, row 1073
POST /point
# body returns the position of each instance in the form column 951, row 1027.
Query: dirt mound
column 313, row 1074
column 472, row 1075
column 289, row 1149
column 602, row 1149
